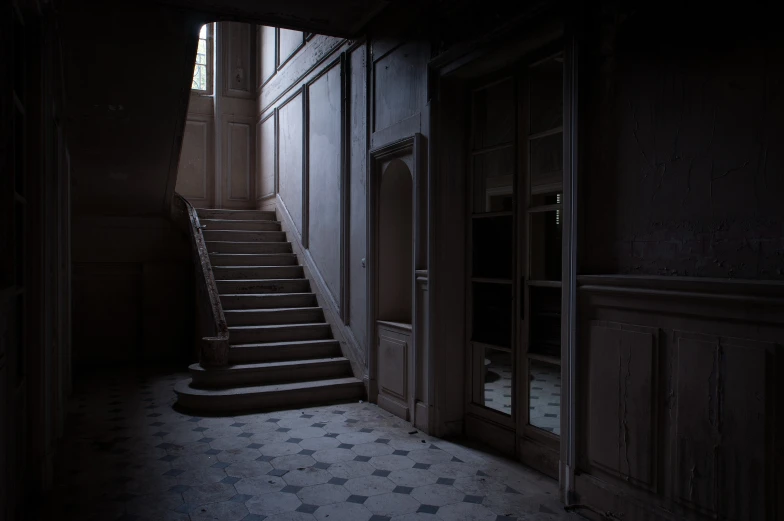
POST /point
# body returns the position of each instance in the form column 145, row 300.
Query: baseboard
column 343, row 334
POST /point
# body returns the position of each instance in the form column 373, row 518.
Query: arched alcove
column 395, row 243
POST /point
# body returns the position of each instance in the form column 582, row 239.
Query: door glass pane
column 492, row 309
column 493, row 239
column 497, row 371
column 493, row 180
column 546, row 159
column 544, row 408
column 494, row 115
column 546, row 245
column 546, row 95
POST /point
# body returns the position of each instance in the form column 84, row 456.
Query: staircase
column 282, row 353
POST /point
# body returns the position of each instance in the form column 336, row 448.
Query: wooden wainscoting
column 679, row 405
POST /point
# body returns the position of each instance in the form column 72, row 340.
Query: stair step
column 257, row 272
column 279, row 333
column 268, row 300
column 266, row 317
column 243, row 375
column 263, row 286
column 243, row 236
column 255, row 248
column 249, row 259
column 281, row 351
column 231, row 224
column 243, row 215
column 268, row 397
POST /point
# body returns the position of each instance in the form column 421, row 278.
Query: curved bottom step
column 267, row 397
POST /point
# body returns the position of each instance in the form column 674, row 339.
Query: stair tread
column 272, row 365
column 270, row 326
column 184, row 386
column 283, row 343
column 272, row 310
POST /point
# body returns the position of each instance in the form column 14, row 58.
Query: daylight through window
column 200, row 69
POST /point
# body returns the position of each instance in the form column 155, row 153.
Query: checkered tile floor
column 128, row 455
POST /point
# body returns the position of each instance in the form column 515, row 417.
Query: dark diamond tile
column 428, row 509
column 472, row 499
column 505, row 518
column 331, row 435
column 241, row 498
column 220, row 465
column 362, row 458
column 338, row 481
column 345, row 446
column 238, row 424
column 273, row 420
column 283, row 429
column 322, row 465
column 153, row 415
column 456, row 460
column 376, row 517
column 265, row 458
column 160, row 433
column 338, row 412
column 168, row 458
column 356, row 499
column 546, row 510
column 307, row 452
column 402, row 490
column 245, row 435
column 179, row 489
column 277, row 472
column 365, row 430
column 481, row 473
column 291, row 489
column 382, row 473
column 306, row 416
column 400, row 453
column 254, row 517
column 308, row 509
column 230, row 480
column 435, row 447
column 352, row 420
column 194, row 420
column 382, row 440
column 423, row 466
column 213, row 452
column 156, row 424
column 318, row 425
column 510, row 490
column 173, row 472
column 293, row 440
column 199, row 429
column 207, row 440
column 255, row 446
column 445, row 481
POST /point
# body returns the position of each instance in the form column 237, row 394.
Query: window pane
column 492, row 320
column 546, row 93
column 497, row 366
column 493, row 180
column 203, row 32
column 201, row 50
column 544, row 408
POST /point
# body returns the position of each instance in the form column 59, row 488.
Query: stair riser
column 261, row 272
column 255, row 226
column 250, row 318
column 244, row 215
column 258, row 402
column 253, row 260
column 248, row 247
column 304, row 373
column 278, row 286
column 284, row 334
column 261, row 355
column 240, row 236
column 267, row 301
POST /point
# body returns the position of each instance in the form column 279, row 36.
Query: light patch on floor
column 128, row 455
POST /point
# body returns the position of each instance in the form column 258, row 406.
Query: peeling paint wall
column 684, row 171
